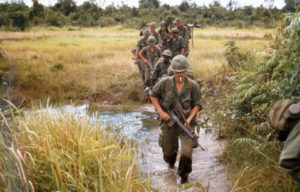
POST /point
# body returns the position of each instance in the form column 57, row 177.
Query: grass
column 95, row 63
column 60, row 152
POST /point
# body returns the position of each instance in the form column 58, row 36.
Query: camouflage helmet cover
column 167, row 53
column 179, row 64
column 146, row 33
column 162, row 23
column 153, row 25
column 151, row 40
column 174, row 30
column 281, row 112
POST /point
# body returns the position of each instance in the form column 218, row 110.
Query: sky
column 134, row 3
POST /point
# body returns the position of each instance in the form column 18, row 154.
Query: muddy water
column 142, row 127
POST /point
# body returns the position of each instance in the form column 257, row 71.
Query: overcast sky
column 134, row 3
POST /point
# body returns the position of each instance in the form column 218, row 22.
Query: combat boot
column 184, row 168
column 171, row 160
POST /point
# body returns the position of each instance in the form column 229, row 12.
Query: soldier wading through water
column 170, row 93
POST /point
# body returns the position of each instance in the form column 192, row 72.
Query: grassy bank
column 251, row 84
column 59, row 152
column 95, row 63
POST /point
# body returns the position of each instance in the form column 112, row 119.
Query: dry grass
column 96, row 63
column 61, row 152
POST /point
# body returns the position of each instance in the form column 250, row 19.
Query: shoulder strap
column 167, row 83
column 191, row 84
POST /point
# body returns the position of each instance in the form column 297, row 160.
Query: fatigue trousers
column 187, row 51
column 168, row 141
column 146, row 73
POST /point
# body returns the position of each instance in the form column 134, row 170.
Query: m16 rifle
column 175, row 120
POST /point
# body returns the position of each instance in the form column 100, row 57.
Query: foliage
column 251, row 94
column 89, row 13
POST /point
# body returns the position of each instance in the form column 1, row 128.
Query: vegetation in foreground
column 59, row 152
column 95, row 64
column 253, row 82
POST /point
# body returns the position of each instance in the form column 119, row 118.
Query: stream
column 142, row 127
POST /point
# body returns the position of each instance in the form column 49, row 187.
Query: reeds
column 64, row 152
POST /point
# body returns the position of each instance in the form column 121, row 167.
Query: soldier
column 154, row 33
column 149, row 55
column 143, row 42
column 161, row 67
column 163, row 32
column 177, row 44
column 184, row 33
column 285, row 119
column 144, row 28
column 168, row 93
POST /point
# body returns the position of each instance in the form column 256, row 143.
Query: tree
column 184, row 6
column 290, row 5
column 149, row 3
column 65, row 6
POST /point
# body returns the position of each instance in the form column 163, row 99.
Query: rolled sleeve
column 196, row 95
column 158, row 89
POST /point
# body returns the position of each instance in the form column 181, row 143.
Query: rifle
column 175, row 120
column 133, row 51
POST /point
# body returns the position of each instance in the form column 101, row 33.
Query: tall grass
column 63, row 152
column 96, row 64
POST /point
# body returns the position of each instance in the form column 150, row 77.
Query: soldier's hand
column 187, row 123
column 164, row 116
column 136, row 61
column 145, row 60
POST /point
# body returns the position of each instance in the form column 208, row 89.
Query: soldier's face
column 174, row 35
column 179, row 24
column 152, row 46
column 180, row 76
column 152, row 29
column 163, row 28
column 167, row 59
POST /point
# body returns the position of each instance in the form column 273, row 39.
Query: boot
column 171, row 159
column 184, row 168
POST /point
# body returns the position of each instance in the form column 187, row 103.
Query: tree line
column 16, row 15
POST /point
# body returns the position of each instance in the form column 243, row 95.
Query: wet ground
column 142, row 127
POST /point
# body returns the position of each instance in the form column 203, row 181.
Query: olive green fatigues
column 153, row 57
column 176, row 46
column 290, row 155
column 141, row 43
column 184, row 33
column 188, row 97
column 160, row 69
column 163, row 36
column 157, row 37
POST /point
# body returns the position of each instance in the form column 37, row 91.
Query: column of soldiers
column 161, row 57
column 155, row 50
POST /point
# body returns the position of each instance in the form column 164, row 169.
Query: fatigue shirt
column 141, row 43
column 160, row 69
column 176, row 46
column 184, row 33
column 153, row 56
column 157, row 37
column 188, row 98
column 163, row 37
column 290, row 155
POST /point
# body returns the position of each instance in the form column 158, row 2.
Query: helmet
column 162, row 23
column 178, row 20
column 174, row 30
column 167, row 53
column 146, row 33
column 153, row 25
column 179, row 64
column 151, row 40
column 283, row 111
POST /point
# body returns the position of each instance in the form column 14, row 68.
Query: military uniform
column 141, row 43
column 176, row 45
column 160, row 69
column 163, row 36
column 153, row 57
column 290, row 155
column 157, row 37
column 165, row 90
column 285, row 119
column 184, row 33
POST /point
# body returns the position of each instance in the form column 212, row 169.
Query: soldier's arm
column 137, row 54
column 183, row 46
column 142, row 56
column 159, row 109
column 193, row 113
column 182, row 51
column 186, row 37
